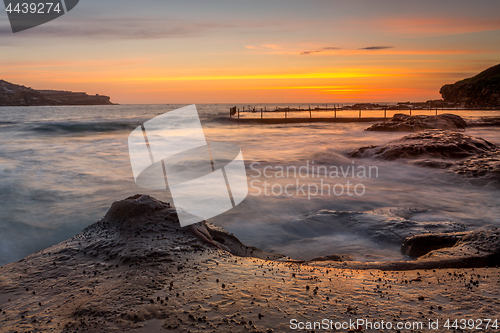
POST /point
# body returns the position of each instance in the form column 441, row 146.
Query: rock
column 333, row 257
column 418, row 245
column 471, row 249
column 405, row 123
column 483, row 122
column 482, row 90
column 390, row 225
column 485, row 166
column 17, row 95
column 122, row 270
column 463, row 154
column 232, row 244
column 431, row 143
column 481, row 248
column 88, row 292
column 458, row 249
column 487, row 241
column 121, row 234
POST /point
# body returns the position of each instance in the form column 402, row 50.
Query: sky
column 256, row 51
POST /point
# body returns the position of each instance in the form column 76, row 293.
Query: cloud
column 322, row 50
column 331, row 48
column 377, row 48
column 310, row 52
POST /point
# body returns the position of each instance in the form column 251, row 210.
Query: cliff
column 482, row 90
column 18, row 95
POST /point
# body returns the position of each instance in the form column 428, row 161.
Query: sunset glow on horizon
column 256, row 51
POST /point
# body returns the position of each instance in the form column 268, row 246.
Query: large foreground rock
column 120, row 234
column 405, row 123
column 137, row 271
column 463, row 154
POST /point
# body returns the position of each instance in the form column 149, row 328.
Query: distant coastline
column 18, row 95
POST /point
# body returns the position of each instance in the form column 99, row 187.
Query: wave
column 5, row 125
column 83, row 127
column 216, row 119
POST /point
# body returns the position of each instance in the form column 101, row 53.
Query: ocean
column 62, row 167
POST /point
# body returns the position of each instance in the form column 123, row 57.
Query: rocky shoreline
column 439, row 142
column 138, row 270
column 405, row 123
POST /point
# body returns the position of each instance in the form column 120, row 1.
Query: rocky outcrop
column 419, row 245
column 164, row 278
column 432, row 143
column 485, row 166
column 483, row 122
column 405, row 123
column 460, row 153
column 482, row 90
column 473, row 249
column 17, row 95
column 119, row 235
column 389, row 225
column 481, row 247
column 333, row 257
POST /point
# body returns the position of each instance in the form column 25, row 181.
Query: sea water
column 62, row 167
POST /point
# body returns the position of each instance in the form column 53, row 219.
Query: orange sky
column 261, row 53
